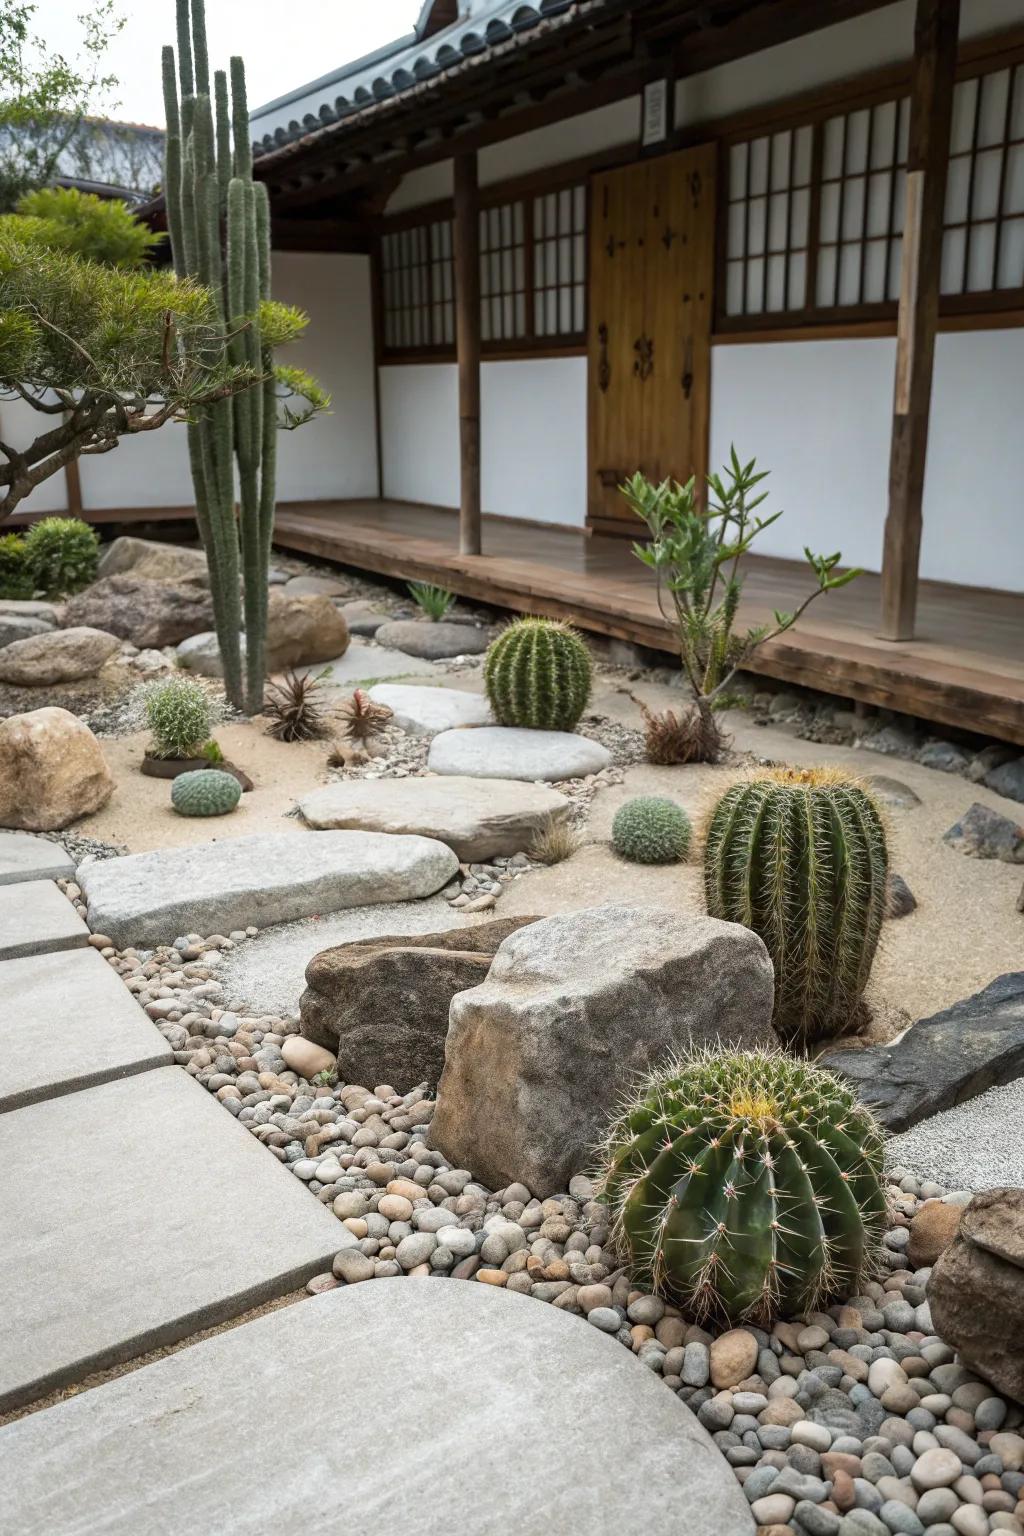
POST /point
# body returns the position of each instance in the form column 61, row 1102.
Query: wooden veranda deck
column 965, row 668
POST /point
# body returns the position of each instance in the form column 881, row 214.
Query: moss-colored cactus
column 537, row 674
column 179, row 712
column 651, row 830
column 747, row 1185
column 205, row 792
column 800, row 857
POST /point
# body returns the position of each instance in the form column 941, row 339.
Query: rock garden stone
column 943, row 756
column 942, row 1060
column 301, row 631
column 154, row 560
column 433, row 640
column 381, row 1007
column 306, row 1058
column 148, row 613
column 31, row 608
column 316, row 586
column 480, row 818
column 365, row 663
column 892, row 791
column 56, row 656
column 986, row 834
column 363, row 618
column 976, row 1290
column 1008, row 779
column 52, row 770
column 21, row 627
column 934, row 1227
column 510, row 752
column 23, row 857
column 151, row 898
column 900, row 900
column 538, row 1056
column 428, row 711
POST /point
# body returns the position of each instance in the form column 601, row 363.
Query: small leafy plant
column 62, row 554
column 15, row 577
column 179, row 712
column 432, row 601
column 695, row 553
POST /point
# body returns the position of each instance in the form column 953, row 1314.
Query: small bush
column 62, row 554
column 179, row 712
column 433, row 602
column 15, row 576
column 651, row 830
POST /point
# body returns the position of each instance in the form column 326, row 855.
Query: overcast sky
column 284, row 42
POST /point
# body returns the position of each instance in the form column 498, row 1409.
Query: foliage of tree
column 95, row 228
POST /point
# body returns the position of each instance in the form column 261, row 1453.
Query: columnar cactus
column 537, row 674
column 651, row 830
column 747, row 1185
column 800, row 857
column 205, row 792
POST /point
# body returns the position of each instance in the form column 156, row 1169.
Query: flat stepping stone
column 428, row 711
column 479, row 818
column 363, row 664
column 152, row 898
column 174, row 1218
column 599, row 1443
column 510, row 752
column 24, row 857
column 69, row 1022
column 434, row 639
column 36, row 919
column 316, row 586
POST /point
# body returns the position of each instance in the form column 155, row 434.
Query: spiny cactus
column 537, row 674
column 800, row 857
column 205, row 792
column 745, row 1185
column 180, row 713
column 651, row 830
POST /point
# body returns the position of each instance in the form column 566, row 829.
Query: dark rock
column 1020, row 900
column 894, row 741
column 942, row 1060
column 899, row 898
column 976, row 1290
column 383, row 1003
column 944, row 756
column 992, row 756
column 1008, row 779
column 892, row 791
column 149, row 613
column 985, row 834
column 433, row 641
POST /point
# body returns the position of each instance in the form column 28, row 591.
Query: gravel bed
column 975, row 1145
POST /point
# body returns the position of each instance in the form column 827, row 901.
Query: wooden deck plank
column 965, row 668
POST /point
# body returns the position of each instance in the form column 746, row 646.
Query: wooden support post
column 467, row 339
column 931, row 100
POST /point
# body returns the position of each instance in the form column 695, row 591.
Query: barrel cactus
column 537, row 674
column 800, row 857
column 747, row 1185
column 651, row 830
column 205, row 792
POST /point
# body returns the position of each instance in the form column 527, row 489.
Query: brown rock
column 148, row 613
column 305, row 1058
column 733, row 1357
column 931, row 1232
column 302, row 630
column 52, row 770
column 58, row 656
column 382, row 1004
column 153, row 560
column 976, row 1290
column 844, row 1494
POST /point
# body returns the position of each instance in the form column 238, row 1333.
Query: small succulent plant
column 205, row 792
column 179, row 712
column 293, row 711
column 671, row 739
column 432, row 601
column 537, row 674
column 651, row 830
column 362, row 719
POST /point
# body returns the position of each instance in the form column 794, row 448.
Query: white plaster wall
column 419, row 414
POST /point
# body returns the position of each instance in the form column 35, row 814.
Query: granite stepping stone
column 36, row 919
column 173, row 1218
column 516, row 1396
column 510, row 752
column 152, row 898
column 67, row 1023
column 428, row 711
column 434, row 639
column 365, row 663
column 24, row 857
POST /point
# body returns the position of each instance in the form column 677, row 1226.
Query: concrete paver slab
column 529, row 1420
column 25, row 857
column 69, row 1022
column 168, row 1217
column 36, row 919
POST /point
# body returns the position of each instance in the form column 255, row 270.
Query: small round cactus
column 651, row 830
column 747, row 1184
column 205, row 792
column 537, row 674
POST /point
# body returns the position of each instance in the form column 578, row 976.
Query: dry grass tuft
column 555, row 842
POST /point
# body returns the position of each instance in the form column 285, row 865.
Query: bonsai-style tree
column 695, row 554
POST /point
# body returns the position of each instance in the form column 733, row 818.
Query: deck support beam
column 936, row 29
column 467, row 341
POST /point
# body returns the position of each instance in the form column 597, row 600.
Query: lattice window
column 503, row 296
column 983, row 247
column 863, row 184
column 560, row 262
column 768, row 223
column 418, row 287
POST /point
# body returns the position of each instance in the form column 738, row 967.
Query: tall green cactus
column 537, row 674
column 747, row 1185
column 800, row 857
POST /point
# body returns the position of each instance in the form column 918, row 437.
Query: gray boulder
column 151, row 614
column 985, row 834
column 56, row 656
column 16, row 626
column 942, row 1060
column 1008, row 779
column 976, row 1290
column 433, row 640
column 539, row 1055
column 153, row 560
column 892, row 792
column 381, row 1005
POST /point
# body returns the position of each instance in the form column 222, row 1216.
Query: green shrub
column 15, row 576
column 205, row 792
column 747, row 1185
column 651, row 830
column 433, row 602
column 180, row 714
column 537, row 674
column 800, row 857
column 95, row 228
column 62, row 554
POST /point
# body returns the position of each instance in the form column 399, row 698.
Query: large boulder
column 539, row 1055
column 301, row 631
column 154, row 560
column 381, row 1005
column 56, row 656
column 17, row 626
column 52, row 770
column 146, row 612
column 976, row 1290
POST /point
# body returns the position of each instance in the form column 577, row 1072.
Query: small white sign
column 654, row 129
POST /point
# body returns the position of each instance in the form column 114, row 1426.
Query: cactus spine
column 208, row 179
column 747, row 1184
column 800, row 857
column 537, row 674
